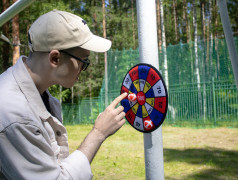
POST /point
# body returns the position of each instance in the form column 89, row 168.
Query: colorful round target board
column 148, row 111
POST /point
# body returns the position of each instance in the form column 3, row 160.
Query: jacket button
column 58, row 133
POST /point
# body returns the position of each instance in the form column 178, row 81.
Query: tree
column 216, row 41
column 5, row 46
column 233, row 14
column 133, row 25
column 15, row 38
column 120, row 29
column 164, row 44
column 203, row 29
column 185, row 23
column 105, row 54
column 158, row 25
column 175, row 20
column 196, row 54
column 211, row 39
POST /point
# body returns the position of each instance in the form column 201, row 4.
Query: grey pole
column 148, row 49
column 13, row 10
column 229, row 37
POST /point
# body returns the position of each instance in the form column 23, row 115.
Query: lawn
column 188, row 153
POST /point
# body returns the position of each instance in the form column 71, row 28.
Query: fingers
column 119, row 109
column 121, row 116
column 123, row 121
column 112, row 118
column 118, row 99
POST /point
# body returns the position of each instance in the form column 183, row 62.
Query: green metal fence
column 212, row 102
column 216, row 104
column 85, row 112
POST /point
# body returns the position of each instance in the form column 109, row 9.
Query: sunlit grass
column 188, row 153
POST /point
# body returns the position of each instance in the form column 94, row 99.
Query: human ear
column 54, row 56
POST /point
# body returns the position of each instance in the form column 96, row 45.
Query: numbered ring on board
column 148, row 110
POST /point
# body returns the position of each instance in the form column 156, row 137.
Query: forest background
column 178, row 22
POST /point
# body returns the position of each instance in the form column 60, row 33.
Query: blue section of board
column 139, row 112
column 156, row 117
column 133, row 89
column 143, row 72
column 126, row 105
column 150, row 93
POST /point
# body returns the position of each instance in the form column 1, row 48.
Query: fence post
column 214, row 100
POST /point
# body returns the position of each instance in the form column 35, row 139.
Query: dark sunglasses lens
column 85, row 66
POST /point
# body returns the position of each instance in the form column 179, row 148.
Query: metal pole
column 13, row 10
column 148, row 49
column 229, row 37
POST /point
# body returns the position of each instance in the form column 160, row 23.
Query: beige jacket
column 33, row 142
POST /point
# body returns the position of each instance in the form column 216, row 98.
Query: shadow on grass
column 223, row 164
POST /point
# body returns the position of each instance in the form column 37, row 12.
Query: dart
column 132, row 97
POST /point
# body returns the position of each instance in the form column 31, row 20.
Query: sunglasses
column 85, row 61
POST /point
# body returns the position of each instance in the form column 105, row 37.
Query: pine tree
column 15, row 38
column 5, row 46
column 196, row 54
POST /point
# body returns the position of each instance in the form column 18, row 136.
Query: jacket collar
column 29, row 89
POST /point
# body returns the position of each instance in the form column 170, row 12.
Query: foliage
column 30, row 14
column 233, row 14
column 85, row 112
column 121, row 28
column 64, row 94
column 180, row 64
column 90, row 81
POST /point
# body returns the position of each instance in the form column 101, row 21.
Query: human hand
column 111, row 120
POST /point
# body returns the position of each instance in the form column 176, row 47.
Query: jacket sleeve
column 25, row 154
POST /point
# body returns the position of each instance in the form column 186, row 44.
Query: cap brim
column 97, row 44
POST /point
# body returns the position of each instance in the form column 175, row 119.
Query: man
column 33, row 141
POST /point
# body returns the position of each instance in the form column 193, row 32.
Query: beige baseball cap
column 62, row 30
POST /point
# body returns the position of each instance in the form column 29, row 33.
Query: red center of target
column 141, row 98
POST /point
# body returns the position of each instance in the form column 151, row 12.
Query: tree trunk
column 60, row 89
column 196, row 43
column 211, row 40
column 203, row 59
column 185, row 21
column 72, row 95
column 175, row 20
column 166, row 78
column 133, row 24
column 95, row 25
column 6, row 46
column 190, row 44
column 216, row 43
column 207, row 51
column 15, row 38
column 105, row 54
column 91, row 103
column 202, row 7
column 196, row 55
column 158, row 26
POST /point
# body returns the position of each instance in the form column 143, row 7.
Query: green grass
column 188, row 153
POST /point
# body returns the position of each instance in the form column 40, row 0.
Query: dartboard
column 147, row 112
